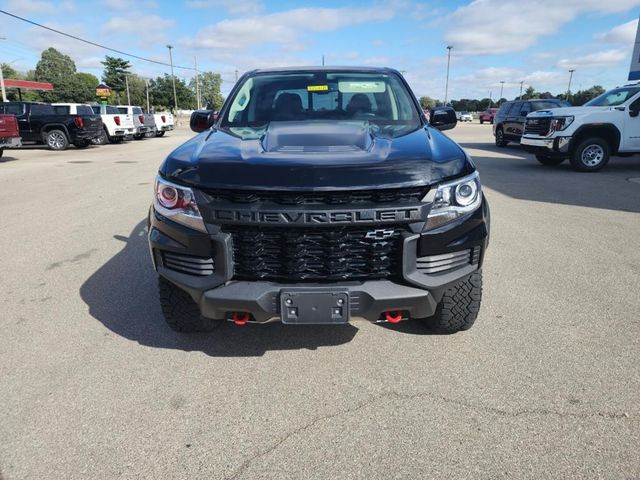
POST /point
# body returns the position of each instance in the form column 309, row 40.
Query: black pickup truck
column 320, row 194
column 39, row 123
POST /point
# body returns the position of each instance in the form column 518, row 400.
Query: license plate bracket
column 302, row 306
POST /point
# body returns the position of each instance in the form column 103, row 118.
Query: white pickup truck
column 144, row 124
column 164, row 123
column 117, row 126
column 588, row 135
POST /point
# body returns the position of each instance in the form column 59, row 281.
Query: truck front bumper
column 555, row 146
column 414, row 291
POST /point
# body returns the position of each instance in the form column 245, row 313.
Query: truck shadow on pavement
column 514, row 172
column 122, row 295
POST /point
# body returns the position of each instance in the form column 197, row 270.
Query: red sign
column 103, row 90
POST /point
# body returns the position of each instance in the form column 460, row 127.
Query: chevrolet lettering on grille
column 306, row 217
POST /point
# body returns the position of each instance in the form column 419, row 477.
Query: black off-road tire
column 500, row 141
column 459, row 306
column 56, row 140
column 580, row 160
column 481, row 121
column 551, row 161
column 160, row 134
column 180, row 311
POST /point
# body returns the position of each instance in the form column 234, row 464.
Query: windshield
column 377, row 97
column 614, row 97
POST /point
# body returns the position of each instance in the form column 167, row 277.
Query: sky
column 494, row 41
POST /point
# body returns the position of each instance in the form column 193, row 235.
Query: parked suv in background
column 320, row 194
column 508, row 123
column 488, row 115
column 587, row 135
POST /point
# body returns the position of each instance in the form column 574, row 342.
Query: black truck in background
column 39, row 123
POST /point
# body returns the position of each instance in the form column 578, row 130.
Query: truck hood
column 317, row 155
column 566, row 111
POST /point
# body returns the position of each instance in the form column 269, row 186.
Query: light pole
column 195, row 61
column 446, row 88
column 501, row 89
column 4, row 93
column 126, row 82
column 173, row 80
column 521, row 83
column 569, row 87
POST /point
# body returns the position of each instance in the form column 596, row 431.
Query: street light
column 501, row 88
column 521, row 83
column 4, row 92
column 569, row 87
column 173, row 79
column 446, row 88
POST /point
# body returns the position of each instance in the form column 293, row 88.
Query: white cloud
column 136, row 23
column 283, row 28
column 238, row 7
column 487, row 27
column 623, row 34
column 606, row 58
column 38, row 6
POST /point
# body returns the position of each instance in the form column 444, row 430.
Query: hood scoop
column 317, row 137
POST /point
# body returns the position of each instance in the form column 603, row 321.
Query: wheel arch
column 55, row 126
column 606, row 131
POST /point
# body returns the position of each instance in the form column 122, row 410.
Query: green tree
column 58, row 69
column 115, row 71
column 84, row 87
column 530, row 93
column 210, row 85
column 161, row 93
column 583, row 96
column 427, row 102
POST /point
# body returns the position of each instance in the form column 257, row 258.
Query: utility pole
column 173, row 79
column 126, row 82
column 195, row 61
column 569, row 87
column 490, row 99
column 501, row 89
column 521, row 83
column 146, row 82
column 446, row 88
column 4, row 92
column 323, row 60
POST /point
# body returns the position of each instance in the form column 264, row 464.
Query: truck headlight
column 454, row 199
column 560, row 123
column 177, row 203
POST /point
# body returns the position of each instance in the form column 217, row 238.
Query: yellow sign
column 318, row 88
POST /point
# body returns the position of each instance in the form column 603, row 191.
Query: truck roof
column 324, row 68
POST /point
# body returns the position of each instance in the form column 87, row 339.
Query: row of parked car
column 59, row 125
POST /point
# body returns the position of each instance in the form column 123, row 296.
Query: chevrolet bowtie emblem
column 379, row 234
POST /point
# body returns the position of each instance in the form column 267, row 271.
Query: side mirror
column 634, row 110
column 443, row 118
column 201, row 120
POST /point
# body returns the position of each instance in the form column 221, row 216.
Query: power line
column 92, row 43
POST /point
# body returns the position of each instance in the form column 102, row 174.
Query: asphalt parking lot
column 95, row 386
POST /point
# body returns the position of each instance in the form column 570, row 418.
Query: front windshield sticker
column 318, row 88
column 361, row 87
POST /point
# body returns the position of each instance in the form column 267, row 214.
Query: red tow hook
column 393, row 316
column 240, row 318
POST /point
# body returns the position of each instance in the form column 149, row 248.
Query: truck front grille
column 392, row 196
column 315, row 254
column 537, row 126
